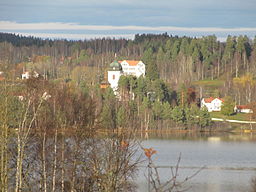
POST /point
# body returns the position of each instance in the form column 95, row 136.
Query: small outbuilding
column 28, row 75
column 243, row 109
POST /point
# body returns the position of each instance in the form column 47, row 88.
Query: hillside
column 212, row 67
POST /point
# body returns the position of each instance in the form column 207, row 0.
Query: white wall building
column 114, row 74
column 212, row 104
column 243, row 109
column 125, row 67
column 27, row 75
column 132, row 67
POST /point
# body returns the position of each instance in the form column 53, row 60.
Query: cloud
column 8, row 25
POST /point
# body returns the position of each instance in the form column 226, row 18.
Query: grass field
column 209, row 83
column 238, row 116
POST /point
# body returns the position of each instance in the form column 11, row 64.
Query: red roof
column 242, row 107
column 131, row 62
column 221, row 99
column 209, row 100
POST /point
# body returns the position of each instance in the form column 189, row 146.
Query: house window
column 114, row 77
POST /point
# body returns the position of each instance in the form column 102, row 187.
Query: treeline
column 19, row 40
column 178, row 59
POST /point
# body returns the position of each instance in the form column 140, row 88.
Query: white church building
column 125, row 67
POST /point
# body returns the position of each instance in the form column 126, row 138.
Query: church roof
column 115, row 65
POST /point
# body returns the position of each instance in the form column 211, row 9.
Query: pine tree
column 157, row 110
column 184, row 47
column 204, row 118
column 228, row 106
column 178, row 115
column 121, row 117
column 175, row 49
column 167, row 110
column 108, row 114
column 229, row 49
column 151, row 67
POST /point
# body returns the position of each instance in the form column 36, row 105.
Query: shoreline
column 183, row 131
column 233, row 121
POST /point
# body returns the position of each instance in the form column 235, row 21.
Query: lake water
column 229, row 160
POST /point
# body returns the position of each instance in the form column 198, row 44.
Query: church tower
column 114, row 73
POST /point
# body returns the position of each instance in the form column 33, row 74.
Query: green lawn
column 238, row 116
column 209, row 83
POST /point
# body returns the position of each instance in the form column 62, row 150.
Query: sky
column 80, row 19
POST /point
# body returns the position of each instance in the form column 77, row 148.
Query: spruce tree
column 151, row 67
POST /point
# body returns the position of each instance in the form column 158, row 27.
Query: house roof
column 104, row 85
column 209, row 100
column 242, row 107
column 131, row 62
column 220, row 99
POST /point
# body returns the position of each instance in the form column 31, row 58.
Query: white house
column 27, row 75
column 133, row 67
column 243, row 109
column 125, row 67
column 2, row 75
column 212, row 104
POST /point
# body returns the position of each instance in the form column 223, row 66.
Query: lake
column 229, row 160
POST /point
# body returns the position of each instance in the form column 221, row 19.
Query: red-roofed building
column 243, row 109
column 133, row 67
column 212, row 104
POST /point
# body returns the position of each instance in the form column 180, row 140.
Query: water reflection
column 192, row 135
column 229, row 158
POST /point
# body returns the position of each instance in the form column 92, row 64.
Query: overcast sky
column 78, row 19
